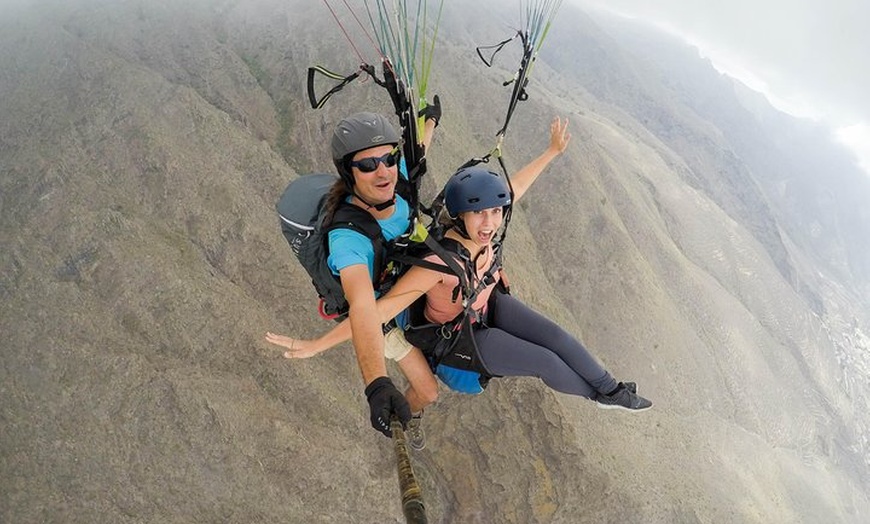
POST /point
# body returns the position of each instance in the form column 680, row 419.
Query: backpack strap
column 349, row 216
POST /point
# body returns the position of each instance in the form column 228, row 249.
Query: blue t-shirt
column 348, row 247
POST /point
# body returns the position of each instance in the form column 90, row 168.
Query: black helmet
column 357, row 132
column 475, row 189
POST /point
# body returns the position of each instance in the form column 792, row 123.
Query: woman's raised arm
column 523, row 179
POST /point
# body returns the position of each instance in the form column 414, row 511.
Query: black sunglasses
column 370, row 164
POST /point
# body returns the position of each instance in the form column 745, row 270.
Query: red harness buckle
column 321, row 309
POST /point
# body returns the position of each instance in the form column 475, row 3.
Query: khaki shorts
column 395, row 345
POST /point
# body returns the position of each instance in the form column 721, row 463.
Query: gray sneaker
column 624, row 398
column 415, row 434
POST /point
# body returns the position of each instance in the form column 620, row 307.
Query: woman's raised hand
column 559, row 135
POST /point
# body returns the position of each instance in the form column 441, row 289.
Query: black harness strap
column 450, row 265
column 412, row 150
column 312, row 97
column 520, row 79
column 497, row 48
column 520, row 82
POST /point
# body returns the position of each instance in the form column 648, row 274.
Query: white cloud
column 857, row 138
column 808, row 57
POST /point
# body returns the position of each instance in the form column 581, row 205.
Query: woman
column 510, row 338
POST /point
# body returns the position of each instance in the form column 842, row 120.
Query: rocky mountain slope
column 143, row 146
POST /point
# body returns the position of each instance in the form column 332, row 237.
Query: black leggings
column 519, row 342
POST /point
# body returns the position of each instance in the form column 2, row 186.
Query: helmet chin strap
column 459, row 226
column 380, row 207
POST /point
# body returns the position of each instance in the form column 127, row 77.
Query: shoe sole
column 614, row 406
column 415, row 447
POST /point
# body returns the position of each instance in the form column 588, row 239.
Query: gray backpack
column 301, row 210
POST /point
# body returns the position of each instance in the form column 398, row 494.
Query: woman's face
column 482, row 225
column 375, row 172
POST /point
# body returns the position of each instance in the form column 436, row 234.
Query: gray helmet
column 357, row 132
column 475, row 189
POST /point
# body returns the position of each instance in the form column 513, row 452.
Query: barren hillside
column 143, row 146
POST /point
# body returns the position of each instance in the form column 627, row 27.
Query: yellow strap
column 420, row 232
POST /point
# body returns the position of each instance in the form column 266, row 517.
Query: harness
column 452, row 343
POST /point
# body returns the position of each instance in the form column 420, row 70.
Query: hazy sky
column 810, row 57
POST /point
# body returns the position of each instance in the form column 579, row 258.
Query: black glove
column 432, row 111
column 385, row 400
